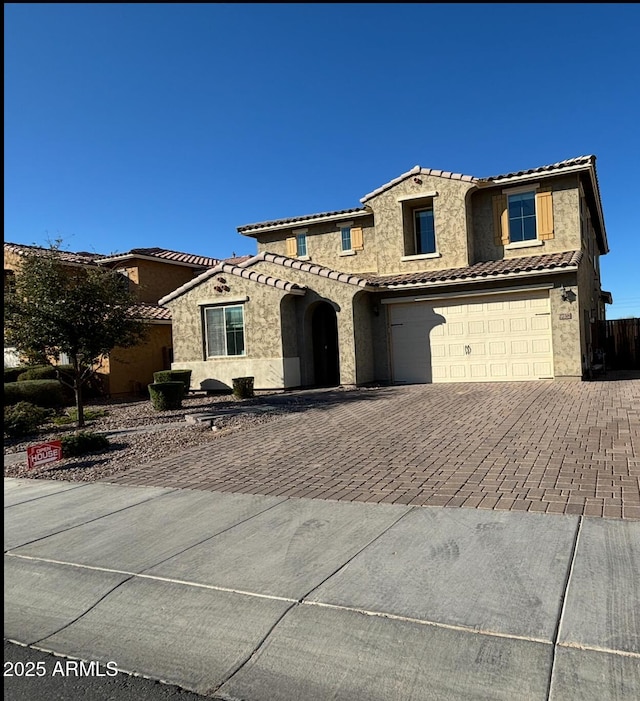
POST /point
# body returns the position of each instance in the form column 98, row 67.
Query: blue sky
column 138, row 125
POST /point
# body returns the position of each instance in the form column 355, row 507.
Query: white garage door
column 473, row 339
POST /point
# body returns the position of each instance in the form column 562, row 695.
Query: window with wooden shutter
column 292, row 248
column 544, row 215
column 357, row 241
column 500, row 220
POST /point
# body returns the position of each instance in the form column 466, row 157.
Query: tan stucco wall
column 566, row 329
column 566, row 220
column 324, row 245
column 130, row 370
column 150, row 280
column 263, row 357
column 450, row 218
column 278, row 331
column 322, row 289
column 11, row 260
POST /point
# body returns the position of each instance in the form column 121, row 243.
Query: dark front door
column 324, row 326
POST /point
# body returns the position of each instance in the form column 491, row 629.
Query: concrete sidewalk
column 265, row 598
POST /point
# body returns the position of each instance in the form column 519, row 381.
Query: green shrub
column 243, row 387
column 183, row 376
column 24, row 418
column 83, row 442
column 71, row 416
column 11, row 374
column 43, row 393
column 37, row 372
column 166, row 395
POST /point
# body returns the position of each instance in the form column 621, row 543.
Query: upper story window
column 224, row 330
column 297, row 244
column 419, row 226
column 522, row 216
column 301, row 244
column 424, row 230
column 345, row 238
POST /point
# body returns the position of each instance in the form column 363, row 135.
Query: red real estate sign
column 44, row 453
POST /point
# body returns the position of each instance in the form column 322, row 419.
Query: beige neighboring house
column 437, row 277
column 152, row 273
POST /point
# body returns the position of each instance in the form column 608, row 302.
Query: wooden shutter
column 500, row 220
column 292, row 248
column 357, row 242
column 544, row 215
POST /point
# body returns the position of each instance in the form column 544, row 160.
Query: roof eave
column 307, row 221
column 525, row 177
column 484, row 278
column 156, row 259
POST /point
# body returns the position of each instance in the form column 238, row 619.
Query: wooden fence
column 620, row 341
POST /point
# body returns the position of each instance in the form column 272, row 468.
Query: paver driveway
column 557, row 447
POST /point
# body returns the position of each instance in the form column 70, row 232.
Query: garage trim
column 475, row 293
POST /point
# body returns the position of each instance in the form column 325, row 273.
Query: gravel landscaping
column 167, row 431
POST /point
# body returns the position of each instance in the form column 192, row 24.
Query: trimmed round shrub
column 12, row 374
column 83, row 442
column 24, row 418
column 43, row 393
column 166, row 395
column 37, row 372
column 243, row 387
column 183, row 376
column 46, row 372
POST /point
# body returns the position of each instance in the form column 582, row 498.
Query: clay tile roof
column 313, row 268
column 240, row 271
column 237, row 260
column 165, row 254
column 307, row 218
column 418, row 170
column 481, row 271
column 150, row 312
column 82, row 258
column 579, row 161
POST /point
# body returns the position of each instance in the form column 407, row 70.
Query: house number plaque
column 564, row 317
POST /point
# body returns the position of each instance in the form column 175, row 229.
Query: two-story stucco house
column 437, row 277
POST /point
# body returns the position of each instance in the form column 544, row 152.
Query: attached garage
column 497, row 337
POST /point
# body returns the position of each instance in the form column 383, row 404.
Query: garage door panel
column 540, row 323
column 484, row 339
column 519, row 348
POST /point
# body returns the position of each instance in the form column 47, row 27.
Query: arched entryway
column 324, row 329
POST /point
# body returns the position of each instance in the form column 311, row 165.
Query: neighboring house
column 438, row 277
column 152, row 273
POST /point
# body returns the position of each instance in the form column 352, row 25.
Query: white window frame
column 226, row 354
column 302, row 251
column 533, row 187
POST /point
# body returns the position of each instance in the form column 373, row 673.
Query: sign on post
column 44, row 453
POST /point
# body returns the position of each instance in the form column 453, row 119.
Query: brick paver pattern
column 547, row 446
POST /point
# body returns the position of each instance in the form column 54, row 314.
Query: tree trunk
column 79, row 403
column 77, row 388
